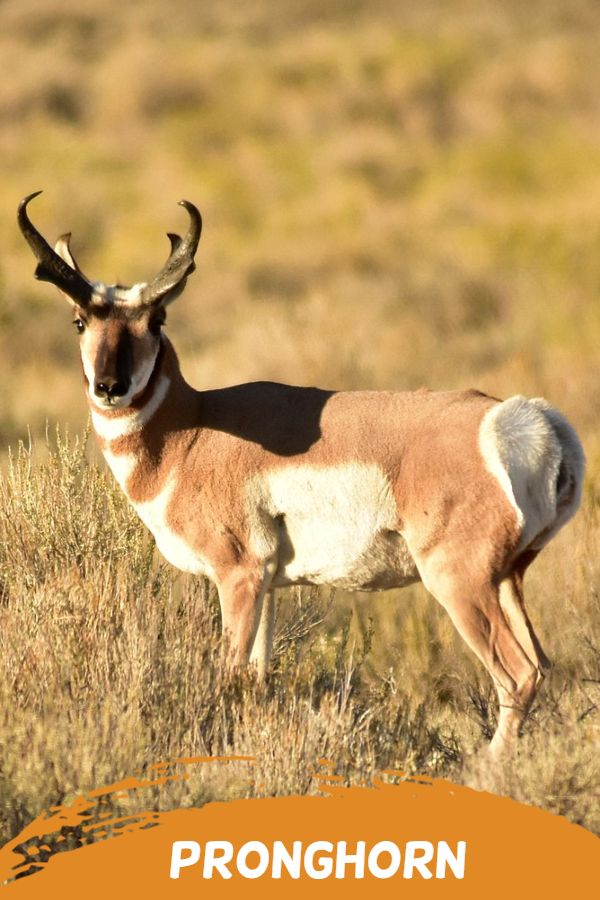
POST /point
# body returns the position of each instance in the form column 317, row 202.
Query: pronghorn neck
column 140, row 442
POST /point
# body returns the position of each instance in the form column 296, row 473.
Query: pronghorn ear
column 63, row 249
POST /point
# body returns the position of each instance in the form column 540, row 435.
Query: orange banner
column 421, row 837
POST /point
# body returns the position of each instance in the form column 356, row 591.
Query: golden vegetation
column 112, row 662
column 394, row 195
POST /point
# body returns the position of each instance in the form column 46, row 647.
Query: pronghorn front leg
column 263, row 642
column 248, row 614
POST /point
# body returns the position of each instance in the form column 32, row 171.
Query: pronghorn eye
column 79, row 325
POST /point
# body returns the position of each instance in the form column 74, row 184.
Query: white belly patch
column 337, row 526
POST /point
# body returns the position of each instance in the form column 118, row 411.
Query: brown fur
column 253, row 427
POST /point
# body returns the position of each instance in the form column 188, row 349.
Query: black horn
column 180, row 263
column 50, row 266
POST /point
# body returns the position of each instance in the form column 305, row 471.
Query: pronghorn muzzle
column 113, row 367
column 110, row 388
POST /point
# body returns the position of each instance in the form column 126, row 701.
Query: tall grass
column 111, row 662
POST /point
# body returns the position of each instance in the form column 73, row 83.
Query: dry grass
column 112, row 662
column 395, row 194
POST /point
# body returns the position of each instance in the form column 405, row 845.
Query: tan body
column 263, row 485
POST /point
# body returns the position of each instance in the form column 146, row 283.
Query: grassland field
column 394, row 195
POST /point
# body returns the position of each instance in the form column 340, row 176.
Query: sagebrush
column 112, row 661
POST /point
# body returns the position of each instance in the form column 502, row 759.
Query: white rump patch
column 523, row 443
column 132, row 420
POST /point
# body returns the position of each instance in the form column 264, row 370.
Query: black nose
column 110, row 387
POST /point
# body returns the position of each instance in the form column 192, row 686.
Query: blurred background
column 395, row 194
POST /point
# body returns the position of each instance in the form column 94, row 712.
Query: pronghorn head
column 119, row 327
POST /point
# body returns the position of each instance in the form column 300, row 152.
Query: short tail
column 538, row 459
column 568, row 485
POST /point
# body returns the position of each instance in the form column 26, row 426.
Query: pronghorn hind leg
column 521, row 567
column 472, row 601
column 513, row 607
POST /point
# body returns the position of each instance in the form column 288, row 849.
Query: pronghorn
column 263, row 485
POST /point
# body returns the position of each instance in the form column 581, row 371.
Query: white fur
column 522, row 450
column 109, row 429
column 573, row 458
column 139, row 382
column 122, row 466
column 338, row 525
